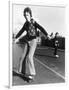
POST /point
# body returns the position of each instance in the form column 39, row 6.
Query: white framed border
column 10, row 44
column 11, row 27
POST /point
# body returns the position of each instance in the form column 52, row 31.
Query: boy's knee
column 29, row 57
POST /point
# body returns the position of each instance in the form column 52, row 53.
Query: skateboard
column 25, row 77
column 53, row 56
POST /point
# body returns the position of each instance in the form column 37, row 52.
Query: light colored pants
column 27, row 63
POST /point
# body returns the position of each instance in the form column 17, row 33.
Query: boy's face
column 27, row 16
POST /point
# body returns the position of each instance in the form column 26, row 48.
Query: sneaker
column 31, row 77
column 57, row 56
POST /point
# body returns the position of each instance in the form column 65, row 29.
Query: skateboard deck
column 23, row 76
column 53, row 56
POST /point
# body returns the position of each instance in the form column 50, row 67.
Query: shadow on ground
column 25, row 78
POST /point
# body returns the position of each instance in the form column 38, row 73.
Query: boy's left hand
column 49, row 37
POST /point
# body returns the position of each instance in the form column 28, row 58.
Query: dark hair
column 27, row 9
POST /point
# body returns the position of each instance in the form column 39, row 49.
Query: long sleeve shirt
column 31, row 29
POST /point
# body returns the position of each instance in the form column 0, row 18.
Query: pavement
column 48, row 68
column 45, row 55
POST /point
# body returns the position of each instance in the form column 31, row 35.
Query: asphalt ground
column 48, row 68
column 46, row 56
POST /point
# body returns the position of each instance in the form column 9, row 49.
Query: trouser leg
column 55, row 52
column 22, row 65
column 30, row 60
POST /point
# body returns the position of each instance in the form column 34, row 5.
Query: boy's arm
column 41, row 28
column 20, row 32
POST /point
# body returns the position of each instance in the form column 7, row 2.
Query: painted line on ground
column 58, row 74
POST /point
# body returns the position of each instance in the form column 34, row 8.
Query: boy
column 30, row 39
column 56, row 44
